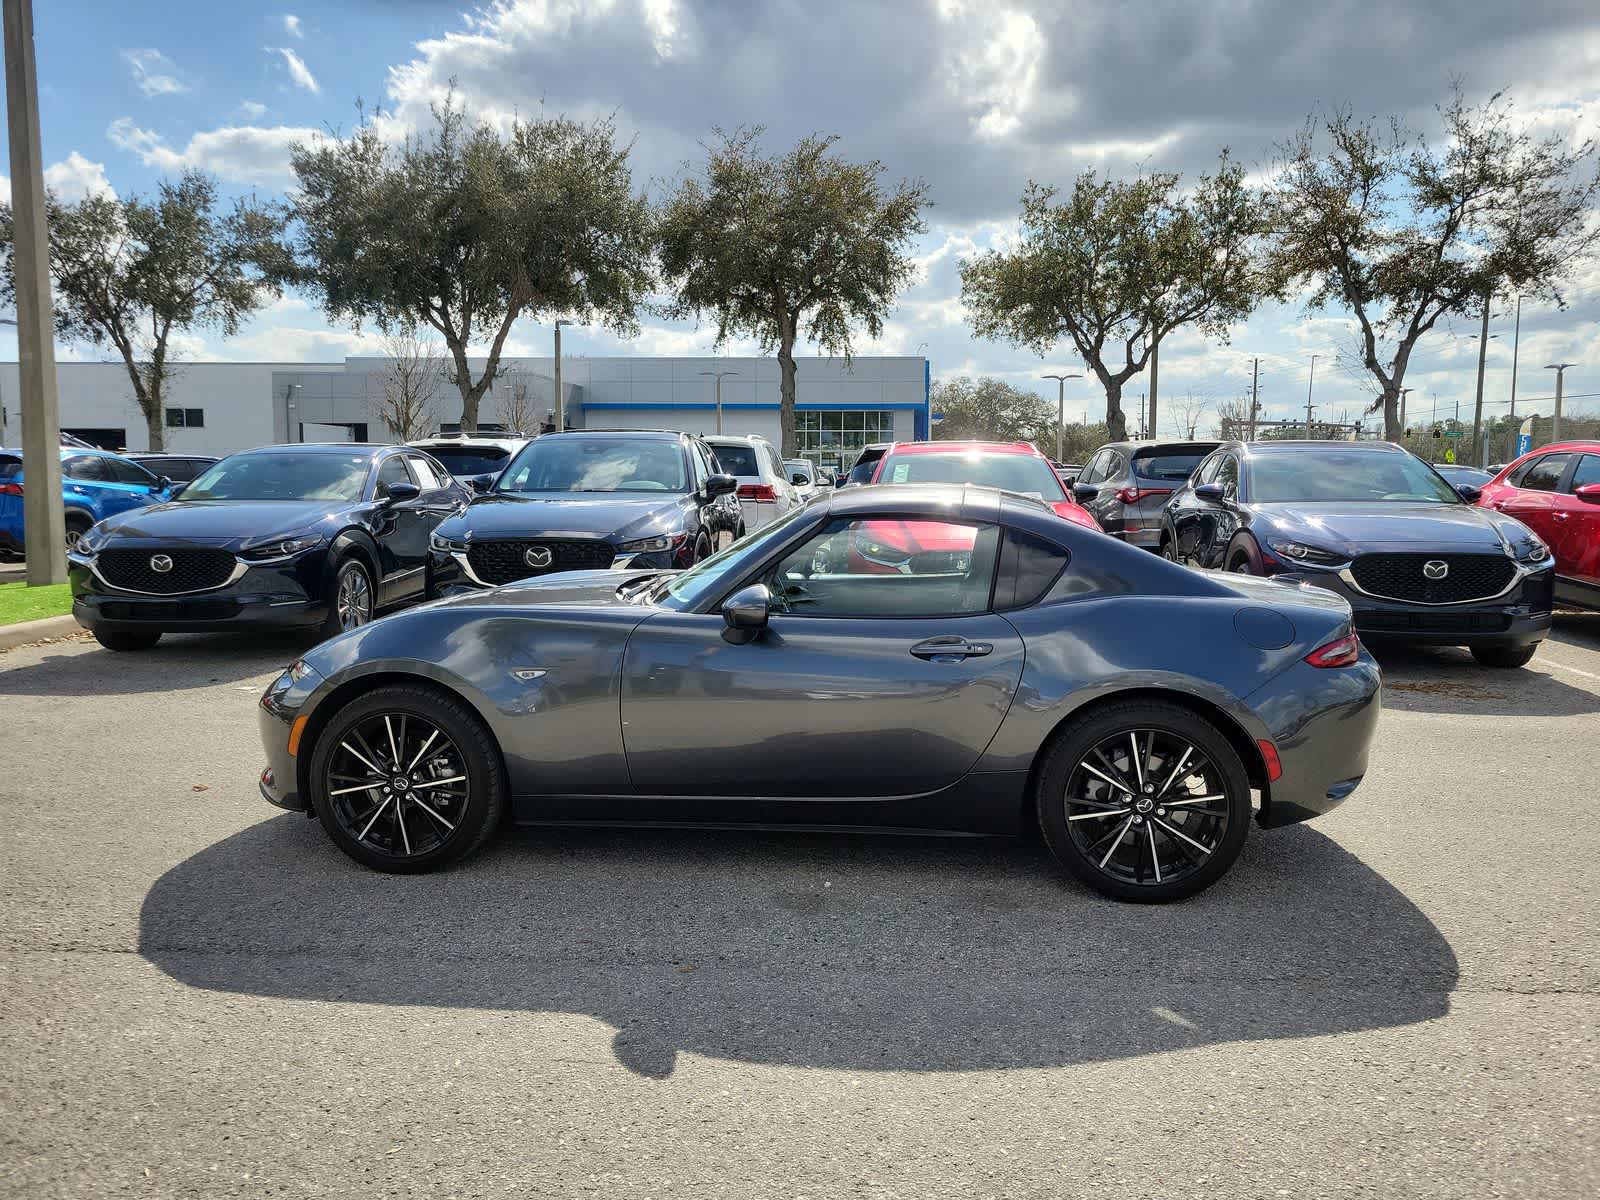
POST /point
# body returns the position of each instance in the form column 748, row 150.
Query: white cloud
column 251, row 109
column 242, row 153
column 661, row 19
column 75, row 177
column 993, row 63
column 291, row 25
column 154, row 73
column 299, row 72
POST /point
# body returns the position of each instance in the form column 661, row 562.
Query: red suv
column 1555, row 491
column 1010, row 466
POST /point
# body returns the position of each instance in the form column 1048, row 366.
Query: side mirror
column 799, row 480
column 1589, row 493
column 1067, row 481
column 399, row 493
column 1212, row 492
column 163, row 483
column 745, row 614
column 1468, row 493
column 1084, row 491
column 720, row 485
column 481, row 483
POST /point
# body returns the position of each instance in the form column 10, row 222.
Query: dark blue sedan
column 285, row 537
column 1378, row 526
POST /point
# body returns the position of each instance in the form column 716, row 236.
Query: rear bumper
column 1322, row 723
column 1135, row 531
column 1519, row 618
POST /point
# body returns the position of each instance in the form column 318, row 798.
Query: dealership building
column 219, row 407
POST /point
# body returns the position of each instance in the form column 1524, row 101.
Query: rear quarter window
column 10, row 466
column 1029, row 566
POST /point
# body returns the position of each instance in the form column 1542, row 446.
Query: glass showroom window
column 834, row 438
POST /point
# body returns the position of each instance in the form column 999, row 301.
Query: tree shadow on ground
column 861, row 953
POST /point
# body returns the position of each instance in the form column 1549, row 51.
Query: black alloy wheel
column 407, row 779
column 1144, row 801
column 702, row 549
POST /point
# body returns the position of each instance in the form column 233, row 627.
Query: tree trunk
column 154, row 426
column 1116, row 424
column 786, row 388
column 1391, row 412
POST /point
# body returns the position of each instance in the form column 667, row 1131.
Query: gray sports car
column 937, row 659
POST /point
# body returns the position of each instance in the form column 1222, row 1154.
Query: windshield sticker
column 898, row 472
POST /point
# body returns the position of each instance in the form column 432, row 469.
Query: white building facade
column 219, row 407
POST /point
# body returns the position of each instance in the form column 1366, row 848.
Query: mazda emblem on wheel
column 161, row 563
column 536, row 556
column 1435, row 568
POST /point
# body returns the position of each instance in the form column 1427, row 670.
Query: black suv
column 590, row 500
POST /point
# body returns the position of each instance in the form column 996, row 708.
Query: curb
column 23, row 633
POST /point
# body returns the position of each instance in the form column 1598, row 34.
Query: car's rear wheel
column 1144, row 801
column 1168, row 551
column 407, row 779
column 702, row 548
column 76, row 528
column 124, row 642
column 1506, row 657
column 352, row 601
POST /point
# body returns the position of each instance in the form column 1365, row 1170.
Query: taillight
column 1341, row 652
column 10, row 489
column 761, row 493
column 1133, row 495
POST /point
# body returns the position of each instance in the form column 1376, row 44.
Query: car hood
column 569, row 589
column 1352, row 529
column 222, row 522
column 562, row 514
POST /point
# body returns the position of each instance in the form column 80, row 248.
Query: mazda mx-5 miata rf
column 1131, row 707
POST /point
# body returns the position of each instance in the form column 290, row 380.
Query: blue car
column 94, row 485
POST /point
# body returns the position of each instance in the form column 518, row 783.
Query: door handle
column 950, row 649
column 1560, row 516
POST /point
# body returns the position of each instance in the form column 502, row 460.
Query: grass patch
column 19, row 602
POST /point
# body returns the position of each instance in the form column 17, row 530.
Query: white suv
column 803, row 469
column 765, row 492
column 472, row 456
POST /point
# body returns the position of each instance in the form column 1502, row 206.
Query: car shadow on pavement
column 176, row 662
column 1446, row 679
column 851, row 952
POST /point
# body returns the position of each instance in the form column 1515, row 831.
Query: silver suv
column 1127, row 484
column 765, row 493
column 471, row 456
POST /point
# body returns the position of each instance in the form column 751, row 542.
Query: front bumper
column 279, row 596
column 1520, row 617
column 282, row 704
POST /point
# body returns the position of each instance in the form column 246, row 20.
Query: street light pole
column 44, row 522
column 1478, row 446
column 1560, row 369
column 1309, row 383
column 718, row 375
column 1061, row 403
column 561, row 401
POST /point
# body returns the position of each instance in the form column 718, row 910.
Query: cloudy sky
column 975, row 96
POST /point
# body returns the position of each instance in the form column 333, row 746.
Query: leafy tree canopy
column 988, row 410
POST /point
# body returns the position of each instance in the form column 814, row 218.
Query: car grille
column 170, row 610
column 1431, row 622
column 192, row 570
column 506, row 562
column 1401, row 577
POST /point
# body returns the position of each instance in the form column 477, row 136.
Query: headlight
column 1534, row 552
column 1301, row 553
column 445, row 545
column 91, row 541
column 283, row 548
column 649, row 544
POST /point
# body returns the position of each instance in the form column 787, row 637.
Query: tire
column 1171, row 737
column 1504, row 657
column 1168, row 552
column 702, row 549
column 76, row 527
column 126, row 642
column 342, row 618
column 453, row 822
column 1239, row 564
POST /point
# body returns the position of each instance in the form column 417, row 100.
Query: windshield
column 465, row 462
column 1009, row 472
column 1332, row 475
column 282, row 475
column 736, row 460
column 570, row 463
column 687, row 588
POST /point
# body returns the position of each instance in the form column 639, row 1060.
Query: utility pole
column 1560, row 369
column 1142, row 426
column 1061, row 405
column 1155, row 376
column 1516, row 340
column 1310, row 382
column 1255, row 403
column 1480, row 450
column 44, row 524
column 1403, row 392
column 561, row 400
column 718, row 376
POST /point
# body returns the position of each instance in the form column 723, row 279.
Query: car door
column 1577, row 548
column 130, row 486
column 86, row 486
column 441, row 494
column 401, row 530
column 1216, row 521
column 720, row 515
column 864, row 685
column 1184, row 511
column 1534, row 499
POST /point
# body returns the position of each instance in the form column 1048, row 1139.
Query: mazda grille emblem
column 161, row 563
column 1435, row 568
column 536, row 556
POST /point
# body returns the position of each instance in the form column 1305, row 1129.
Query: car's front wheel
column 124, row 642
column 1505, row 657
column 1143, row 800
column 352, row 601
column 407, row 779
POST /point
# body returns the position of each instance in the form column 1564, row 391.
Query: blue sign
column 1524, row 438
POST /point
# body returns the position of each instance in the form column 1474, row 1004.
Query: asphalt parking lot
column 201, row 996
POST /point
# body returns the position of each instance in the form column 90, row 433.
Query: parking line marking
column 1574, row 670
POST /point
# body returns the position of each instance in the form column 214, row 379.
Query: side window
column 1113, row 465
column 775, row 463
column 427, row 478
column 1028, row 566
column 1091, row 470
column 1228, row 475
column 1206, row 471
column 123, row 471
column 888, row 568
column 90, row 467
column 704, row 464
column 1543, row 475
column 391, row 471
column 1588, row 471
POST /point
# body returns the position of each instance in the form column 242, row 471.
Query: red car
column 1555, row 491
